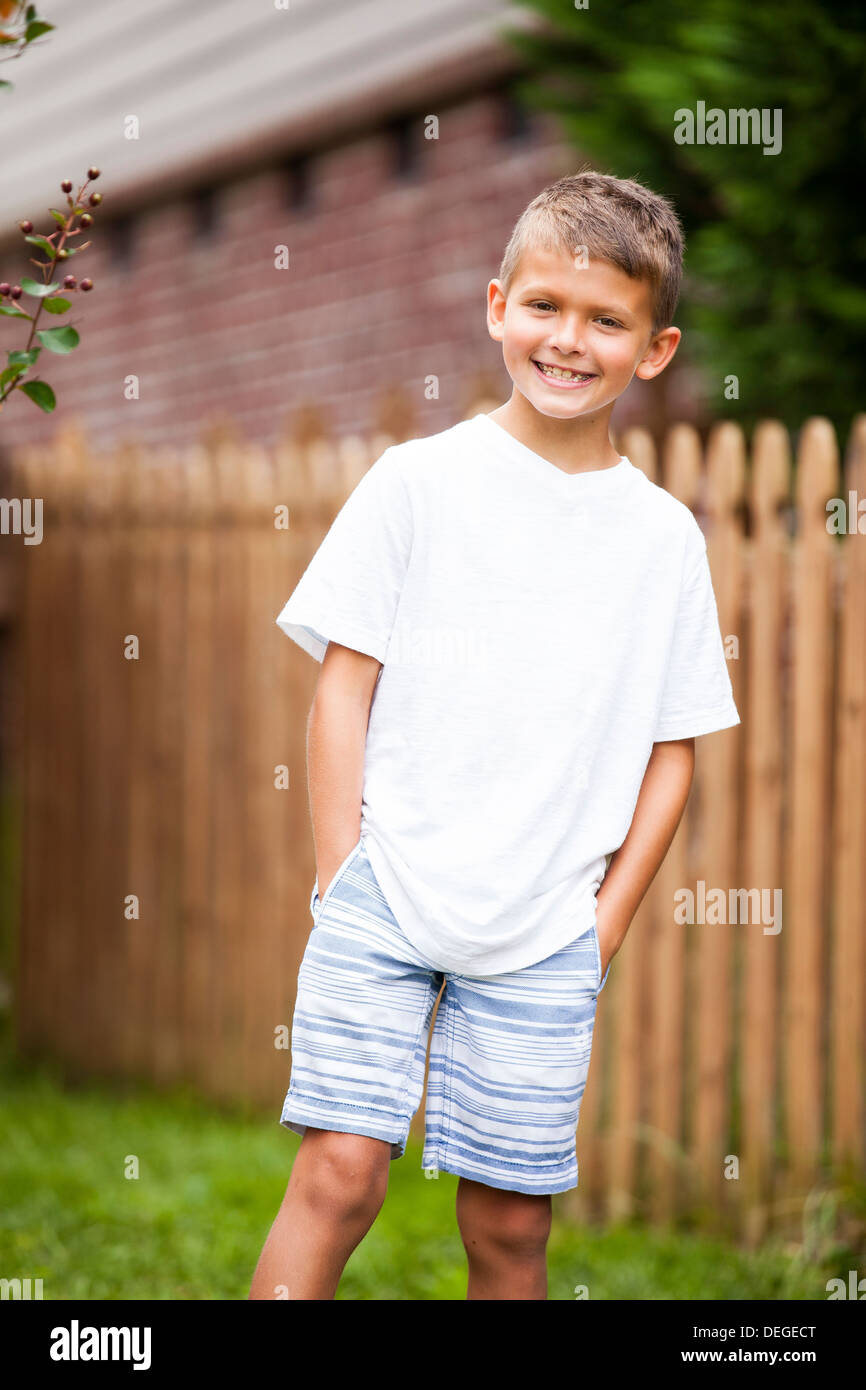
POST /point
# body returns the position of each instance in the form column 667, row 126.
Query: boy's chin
column 566, row 409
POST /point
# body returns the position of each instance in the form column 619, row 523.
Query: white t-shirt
column 539, row 631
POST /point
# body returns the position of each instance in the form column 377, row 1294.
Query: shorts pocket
column 315, row 904
column 602, row 979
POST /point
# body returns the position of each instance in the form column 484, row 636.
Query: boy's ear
column 659, row 353
column 495, row 311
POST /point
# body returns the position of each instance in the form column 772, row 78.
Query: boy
column 519, row 643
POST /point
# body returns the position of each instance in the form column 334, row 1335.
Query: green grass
column 192, row 1224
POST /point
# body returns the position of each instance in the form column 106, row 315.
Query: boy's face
column 596, row 321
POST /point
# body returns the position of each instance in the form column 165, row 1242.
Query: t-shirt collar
column 575, row 485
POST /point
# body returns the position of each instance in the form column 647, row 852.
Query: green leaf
column 57, row 215
column 40, row 393
column 43, row 243
column 61, row 340
column 26, row 359
column 11, row 312
column 9, row 374
column 36, row 287
column 35, row 29
column 4, row 83
column 56, row 306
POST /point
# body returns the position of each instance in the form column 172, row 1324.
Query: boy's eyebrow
column 544, row 291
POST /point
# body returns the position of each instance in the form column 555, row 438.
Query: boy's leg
column 359, row 1031
column 509, row 1059
column 505, row 1236
column 336, row 1189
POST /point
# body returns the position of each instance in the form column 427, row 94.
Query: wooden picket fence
column 167, row 859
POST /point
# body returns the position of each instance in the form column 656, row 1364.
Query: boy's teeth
column 561, row 371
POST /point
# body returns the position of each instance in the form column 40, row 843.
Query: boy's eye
column 603, row 318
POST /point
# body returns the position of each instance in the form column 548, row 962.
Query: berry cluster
column 49, row 296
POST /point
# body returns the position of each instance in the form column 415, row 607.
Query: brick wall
column 392, row 239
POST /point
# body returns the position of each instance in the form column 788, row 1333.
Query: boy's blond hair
column 617, row 220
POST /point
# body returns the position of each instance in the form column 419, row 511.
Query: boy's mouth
column 562, row 376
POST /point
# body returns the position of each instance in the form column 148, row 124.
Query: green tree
column 775, row 267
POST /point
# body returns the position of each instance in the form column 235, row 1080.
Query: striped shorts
column 509, row 1053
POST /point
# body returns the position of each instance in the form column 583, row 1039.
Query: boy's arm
column 336, row 742
column 660, row 805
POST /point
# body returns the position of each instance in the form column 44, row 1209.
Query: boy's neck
column 581, row 445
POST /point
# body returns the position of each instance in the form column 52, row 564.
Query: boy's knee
column 515, row 1224
column 344, row 1175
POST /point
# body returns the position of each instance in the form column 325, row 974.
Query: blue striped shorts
column 509, row 1053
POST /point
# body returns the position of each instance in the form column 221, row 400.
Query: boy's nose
column 568, row 343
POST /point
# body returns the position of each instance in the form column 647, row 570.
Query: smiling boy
column 519, row 644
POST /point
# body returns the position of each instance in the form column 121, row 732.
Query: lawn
column 192, row 1223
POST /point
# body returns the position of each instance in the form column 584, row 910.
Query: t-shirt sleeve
column 350, row 589
column 697, row 696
